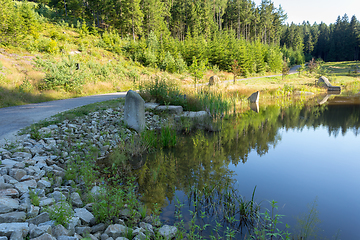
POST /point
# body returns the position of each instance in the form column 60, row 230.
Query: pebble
column 38, row 166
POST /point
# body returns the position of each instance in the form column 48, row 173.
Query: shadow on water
column 197, row 169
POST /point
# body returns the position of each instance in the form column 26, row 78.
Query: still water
column 296, row 155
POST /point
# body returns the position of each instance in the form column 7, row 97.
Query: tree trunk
column 65, row 8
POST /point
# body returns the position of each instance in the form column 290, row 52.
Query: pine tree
column 133, row 17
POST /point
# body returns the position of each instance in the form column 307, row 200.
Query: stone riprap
column 27, row 164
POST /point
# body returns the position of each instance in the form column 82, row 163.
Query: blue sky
column 326, row 11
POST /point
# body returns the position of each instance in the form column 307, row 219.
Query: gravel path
column 12, row 119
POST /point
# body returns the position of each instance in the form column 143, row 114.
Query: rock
column 59, row 230
column 151, row 106
column 23, row 155
column 67, row 238
column 84, row 215
column 148, row 228
column 8, row 163
column 323, row 81
column 116, row 230
column 73, row 223
column 76, row 200
column 134, row 111
column 140, row 236
column 98, row 227
column 45, row 236
column 168, row 232
column 8, row 204
column 40, row 230
column 17, row 235
column 96, row 191
column 254, row 98
column 213, row 80
column 43, row 217
column 83, row 231
column 6, row 229
column 46, row 202
column 170, row 109
column 17, row 173
column 58, row 196
column 43, row 184
column 33, row 211
column 255, row 107
column 4, row 185
column 12, row 217
column 11, row 192
column 23, row 187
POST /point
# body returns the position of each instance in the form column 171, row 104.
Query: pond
column 304, row 156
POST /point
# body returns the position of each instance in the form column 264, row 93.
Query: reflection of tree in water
column 204, row 158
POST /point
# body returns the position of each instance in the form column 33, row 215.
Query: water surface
column 295, row 155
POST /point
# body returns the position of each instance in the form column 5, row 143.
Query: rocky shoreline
column 26, row 167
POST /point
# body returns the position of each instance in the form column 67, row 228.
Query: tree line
column 339, row 41
column 173, row 35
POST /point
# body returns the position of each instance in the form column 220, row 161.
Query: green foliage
column 168, row 64
column 26, row 86
column 34, row 198
column 168, row 136
column 163, row 92
column 197, row 69
column 63, row 75
column 61, row 213
column 273, row 58
column 269, row 228
column 35, row 133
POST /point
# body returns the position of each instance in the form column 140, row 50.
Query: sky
column 317, row 11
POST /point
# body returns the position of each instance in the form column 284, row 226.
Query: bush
column 63, row 75
column 168, row 64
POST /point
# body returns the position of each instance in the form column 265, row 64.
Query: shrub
column 168, row 64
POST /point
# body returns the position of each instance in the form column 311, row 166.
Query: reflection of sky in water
column 305, row 165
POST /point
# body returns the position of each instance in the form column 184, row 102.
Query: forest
column 173, row 35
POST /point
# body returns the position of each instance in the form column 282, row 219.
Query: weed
column 35, row 133
column 143, row 211
column 168, row 136
column 268, row 227
column 10, row 145
column 307, row 223
column 34, row 198
column 61, row 213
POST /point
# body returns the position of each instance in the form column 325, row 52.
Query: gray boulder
column 12, row 217
column 116, row 230
column 134, row 111
column 76, row 199
column 323, row 81
column 8, row 204
column 213, row 80
column 168, row 232
column 170, row 109
column 254, row 98
column 7, row 229
column 84, row 215
column 43, row 217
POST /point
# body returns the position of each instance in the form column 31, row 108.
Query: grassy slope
column 24, row 68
